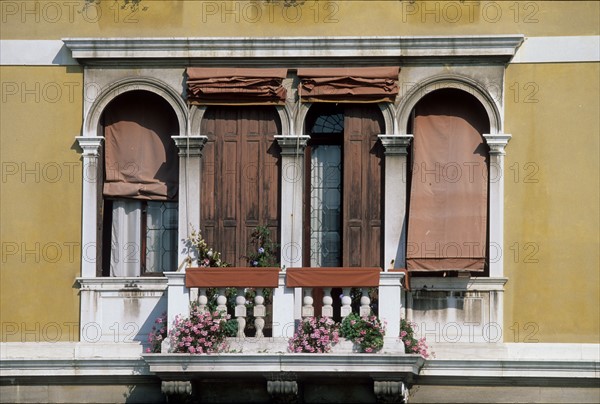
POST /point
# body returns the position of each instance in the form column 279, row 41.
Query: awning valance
column 235, row 86
column 358, row 84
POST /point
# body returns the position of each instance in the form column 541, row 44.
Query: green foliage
column 367, row 332
column 263, row 251
column 198, row 250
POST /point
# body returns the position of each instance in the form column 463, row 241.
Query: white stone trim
column 35, row 52
column 491, row 105
column 503, row 46
column 457, row 284
column 545, row 49
column 559, row 49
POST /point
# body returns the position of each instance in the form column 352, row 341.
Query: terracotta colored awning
column 332, row 277
column 358, row 84
column 232, row 86
column 232, row 277
column 140, row 159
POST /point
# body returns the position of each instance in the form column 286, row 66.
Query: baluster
column 365, row 303
column 346, row 308
column 327, row 310
column 221, row 301
column 240, row 313
column 202, row 300
column 260, row 311
column 308, row 309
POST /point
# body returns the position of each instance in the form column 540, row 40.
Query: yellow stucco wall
column 551, row 203
column 40, row 202
column 551, row 217
column 55, row 20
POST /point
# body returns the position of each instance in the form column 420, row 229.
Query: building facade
column 425, row 139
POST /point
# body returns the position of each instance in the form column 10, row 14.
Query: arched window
column 140, row 187
column 448, row 204
column 343, row 198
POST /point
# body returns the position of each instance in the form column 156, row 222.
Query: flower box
column 232, row 277
column 338, row 277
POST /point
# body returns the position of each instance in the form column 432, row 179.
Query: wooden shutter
column 240, row 178
column 362, row 188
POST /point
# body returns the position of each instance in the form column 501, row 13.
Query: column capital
column 395, row 144
column 292, row 145
column 497, row 142
column 190, row 146
column 90, row 145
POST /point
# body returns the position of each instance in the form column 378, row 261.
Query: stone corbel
column 283, row 391
column 176, row 387
column 390, row 391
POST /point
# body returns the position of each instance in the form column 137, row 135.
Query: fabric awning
column 447, row 220
column 141, row 159
column 235, row 86
column 357, row 84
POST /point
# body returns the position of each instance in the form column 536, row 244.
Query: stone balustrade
column 292, row 298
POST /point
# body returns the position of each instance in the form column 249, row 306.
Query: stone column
column 292, row 183
column 497, row 144
column 395, row 199
column 190, row 160
column 89, row 215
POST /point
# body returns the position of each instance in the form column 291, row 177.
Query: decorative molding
column 388, row 391
column 90, row 145
column 176, row 387
column 503, row 47
column 114, row 283
column 292, row 145
column 190, row 146
column 396, row 144
column 457, row 284
column 497, row 142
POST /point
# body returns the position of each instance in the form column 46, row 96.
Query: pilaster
column 497, row 144
column 190, row 171
column 90, row 146
column 396, row 149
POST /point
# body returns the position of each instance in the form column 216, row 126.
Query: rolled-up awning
column 357, row 84
column 235, row 86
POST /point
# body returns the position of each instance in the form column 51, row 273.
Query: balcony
column 264, row 358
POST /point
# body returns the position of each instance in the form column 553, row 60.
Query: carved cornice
column 500, row 47
column 190, row 146
column 395, row 144
column 497, row 142
column 90, row 145
column 292, row 145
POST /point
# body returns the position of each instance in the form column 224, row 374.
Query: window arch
column 448, row 197
column 140, row 185
column 343, row 223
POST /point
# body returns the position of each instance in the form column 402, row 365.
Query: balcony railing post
column 259, row 313
column 327, row 309
column 346, row 308
column 308, row 310
column 202, row 300
column 221, row 301
column 178, row 301
column 390, row 304
column 240, row 313
column 365, row 303
column 283, row 309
